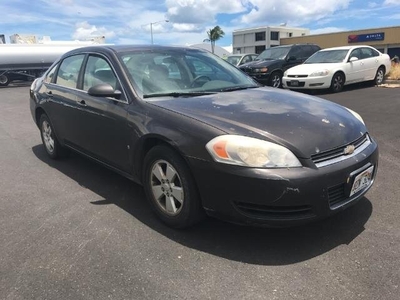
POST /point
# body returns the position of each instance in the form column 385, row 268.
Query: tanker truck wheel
column 4, row 80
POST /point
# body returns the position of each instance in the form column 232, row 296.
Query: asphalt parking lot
column 72, row 229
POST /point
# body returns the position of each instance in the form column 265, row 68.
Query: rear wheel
column 49, row 139
column 380, row 76
column 4, row 80
column 170, row 188
column 337, row 83
column 276, row 79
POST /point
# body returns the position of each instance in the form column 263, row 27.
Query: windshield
column 274, row 53
column 181, row 72
column 329, row 56
column 234, row 60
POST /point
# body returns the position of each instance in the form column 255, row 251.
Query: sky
column 128, row 22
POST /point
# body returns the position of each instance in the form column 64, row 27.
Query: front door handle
column 82, row 103
column 49, row 94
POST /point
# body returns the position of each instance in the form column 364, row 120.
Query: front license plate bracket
column 362, row 180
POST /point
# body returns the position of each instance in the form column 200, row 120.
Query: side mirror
column 104, row 90
column 353, row 59
column 291, row 58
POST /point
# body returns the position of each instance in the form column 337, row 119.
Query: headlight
column 319, row 73
column 356, row 115
column 261, row 70
column 250, row 152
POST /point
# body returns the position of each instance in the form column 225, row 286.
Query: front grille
column 260, row 211
column 297, row 76
column 337, row 154
column 336, row 195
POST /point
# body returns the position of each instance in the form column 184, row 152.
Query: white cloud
column 276, row 11
column 84, row 30
column 372, row 4
column 202, row 11
column 391, row 2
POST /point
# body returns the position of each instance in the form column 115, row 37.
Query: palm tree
column 214, row 35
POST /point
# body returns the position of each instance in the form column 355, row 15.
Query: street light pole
column 151, row 28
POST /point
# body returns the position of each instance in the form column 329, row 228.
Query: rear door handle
column 82, row 103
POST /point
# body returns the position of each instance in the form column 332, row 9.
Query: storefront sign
column 353, row 38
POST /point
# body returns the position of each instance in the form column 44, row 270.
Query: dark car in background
column 269, row 66
column 202, row 137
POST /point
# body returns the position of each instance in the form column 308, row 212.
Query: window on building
column 290, row 34
column 260, row 36
column 260, row 49
column 274, row 35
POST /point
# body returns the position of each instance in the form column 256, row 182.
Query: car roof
column 242, row 54
column 346, row 47
column 125, row 48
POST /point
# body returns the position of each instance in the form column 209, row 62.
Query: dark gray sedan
column 202, row 137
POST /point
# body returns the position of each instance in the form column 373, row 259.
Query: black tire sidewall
column 191, row 211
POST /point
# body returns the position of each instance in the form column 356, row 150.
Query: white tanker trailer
column 27, row 61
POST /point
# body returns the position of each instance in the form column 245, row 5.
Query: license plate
column 362, row 180
column 294, row 83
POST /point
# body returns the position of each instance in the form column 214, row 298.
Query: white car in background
column 334, row 68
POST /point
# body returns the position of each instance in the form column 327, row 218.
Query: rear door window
column 68, row 72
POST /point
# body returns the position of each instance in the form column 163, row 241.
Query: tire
column 49, row 139
column 380, row 76
column 170, row 188
column 4, row 80
column 337, row 83
column 275, row 79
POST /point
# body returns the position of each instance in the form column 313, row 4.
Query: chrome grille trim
column 338, row 156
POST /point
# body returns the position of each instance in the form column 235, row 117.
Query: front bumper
column 262, row 78
column 280, row 197
column 320, row 82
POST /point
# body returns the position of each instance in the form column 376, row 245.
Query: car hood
column 304, row 124
column 307, row 69
column 259, row 64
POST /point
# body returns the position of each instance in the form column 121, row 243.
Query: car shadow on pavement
column 261, row 246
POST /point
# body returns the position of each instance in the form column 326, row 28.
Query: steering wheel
column 198, row 78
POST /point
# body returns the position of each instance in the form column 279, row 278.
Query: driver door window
column 98, row 71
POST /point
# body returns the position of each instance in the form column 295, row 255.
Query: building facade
column 386, row 40
column 256, row 40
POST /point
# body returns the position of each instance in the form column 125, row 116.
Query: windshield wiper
column 178, row 94
column 238, row 88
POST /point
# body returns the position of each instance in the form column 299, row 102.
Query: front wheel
column 276, row 80
column 170, row 188
column 49, row 139
column 337, row 83
column 380, row 75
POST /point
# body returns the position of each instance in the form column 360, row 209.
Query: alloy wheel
column 337, row 83
column 379, row 77
column 166, row 187
column 276, row 81
column 47, row 136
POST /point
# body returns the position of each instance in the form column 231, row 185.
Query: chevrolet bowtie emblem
column 349, row 150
